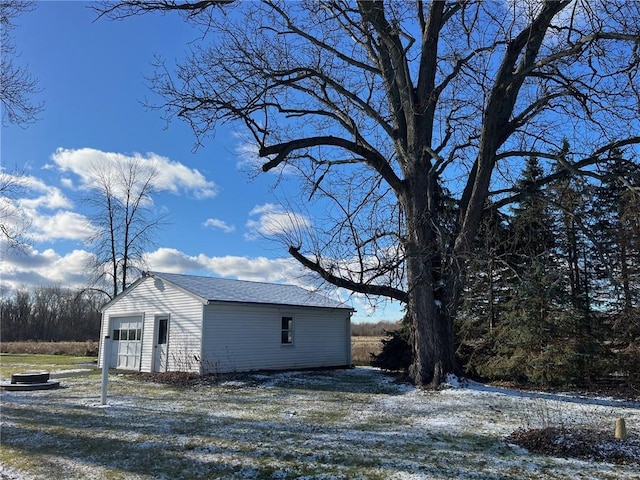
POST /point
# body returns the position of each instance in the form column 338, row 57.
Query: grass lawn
column 11, row 363
column 343, row 424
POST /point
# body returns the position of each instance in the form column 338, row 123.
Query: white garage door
column 126, row 345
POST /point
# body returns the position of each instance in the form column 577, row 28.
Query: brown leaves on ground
column 578, row 443
column 177, row 379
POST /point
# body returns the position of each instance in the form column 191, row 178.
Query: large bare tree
column 123, row 218
column 404, row 119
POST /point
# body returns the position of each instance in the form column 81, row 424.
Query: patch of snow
column 70, row 372
column 233, row 383
column 7, row 473
column 355, row 423
column 453, row 381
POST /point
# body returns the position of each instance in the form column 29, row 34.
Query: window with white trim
column 127, row 334
column 287, row 331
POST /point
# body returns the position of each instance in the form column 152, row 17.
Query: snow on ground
column 347, row 424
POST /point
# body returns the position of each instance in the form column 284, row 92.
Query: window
column 163, row 323
column 127, row 334
column 287, row 330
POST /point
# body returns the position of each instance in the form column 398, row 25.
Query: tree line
column 369, row 329
column 50, row 314
column 553, row 291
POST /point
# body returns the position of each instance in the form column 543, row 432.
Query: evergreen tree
column 396, row 350
column 569, row 199
column 616, row 224
column 616, row 254
column 530, row 341
column 484, row 293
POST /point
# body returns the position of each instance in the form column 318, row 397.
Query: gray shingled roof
column 227, row 290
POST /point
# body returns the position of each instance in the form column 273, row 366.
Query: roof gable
column 213, row 289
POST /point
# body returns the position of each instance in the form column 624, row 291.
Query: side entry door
column 161, row 344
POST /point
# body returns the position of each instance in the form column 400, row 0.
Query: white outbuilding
column 170, row 322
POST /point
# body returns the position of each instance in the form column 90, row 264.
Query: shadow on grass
column 557, row 397
column 170, row 444
column 322, row 424
column 340, row 380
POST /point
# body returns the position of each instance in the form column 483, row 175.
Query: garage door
column 126, row 345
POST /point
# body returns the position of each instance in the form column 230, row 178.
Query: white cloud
column 171, row 260
column 171, row 176
column 259, row 269
column 247, row 155
column 30, row 267
column 274, row 220
column 219, row 224
column 31, row 193
column 52, row 199
column 62, row 225
column 67, row 183
column 39, row 211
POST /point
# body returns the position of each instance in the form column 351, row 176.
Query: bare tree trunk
column 431, row 332
column 429, row 309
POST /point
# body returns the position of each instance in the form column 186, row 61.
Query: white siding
column 150, row 298
column 242, row 337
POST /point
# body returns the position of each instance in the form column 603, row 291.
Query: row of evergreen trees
column 50, row 314
column 554, row 284
column 553, row 287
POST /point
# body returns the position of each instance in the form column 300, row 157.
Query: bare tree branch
column 371, row 158
column 344, row 283
column 17, row 86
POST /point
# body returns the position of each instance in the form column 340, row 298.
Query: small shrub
column 396, row 352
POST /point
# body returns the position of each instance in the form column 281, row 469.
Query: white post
column 620, row 430
column 106, row 358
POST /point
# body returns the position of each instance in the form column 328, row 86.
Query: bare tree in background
column 16, row 83
column 14, row 223
column 16, row 87
column 124, row 219
column 404, row 119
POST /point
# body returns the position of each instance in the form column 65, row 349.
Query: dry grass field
column 76, row 349
column 363, row 347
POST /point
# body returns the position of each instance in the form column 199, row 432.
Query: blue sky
column 92, row 76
